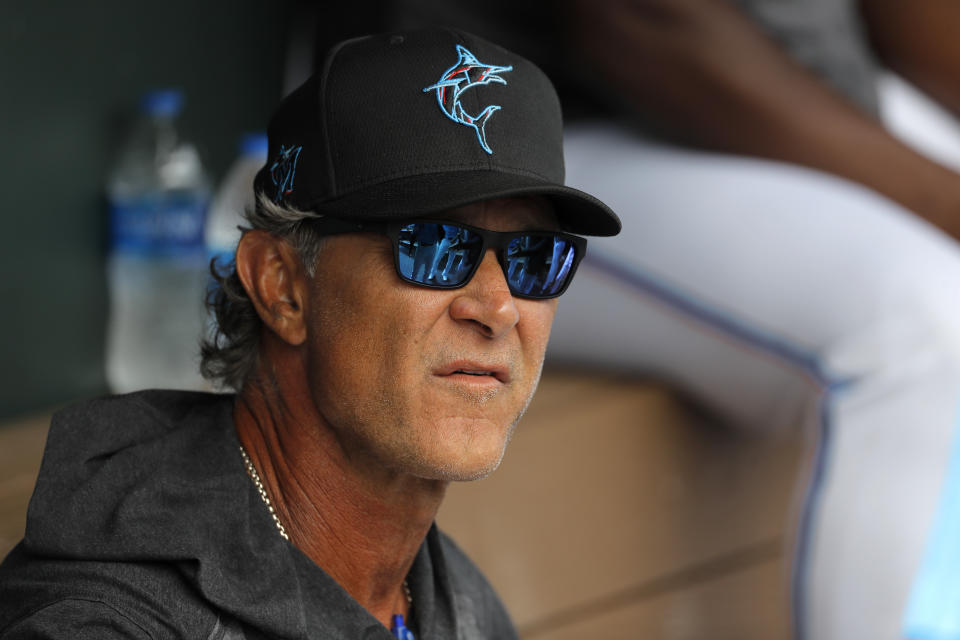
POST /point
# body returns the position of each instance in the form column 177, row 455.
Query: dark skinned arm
column 920, row 40
column 708, row 76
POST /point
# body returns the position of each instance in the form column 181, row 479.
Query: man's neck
column 364, row 529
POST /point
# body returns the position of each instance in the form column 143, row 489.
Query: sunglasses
column 444, row 255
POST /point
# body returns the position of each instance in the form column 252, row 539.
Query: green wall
column 71, row 74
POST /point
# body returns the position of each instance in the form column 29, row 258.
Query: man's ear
column 276, row 283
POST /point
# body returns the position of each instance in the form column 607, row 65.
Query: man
column 304, row 506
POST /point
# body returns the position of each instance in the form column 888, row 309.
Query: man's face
column 425, row 381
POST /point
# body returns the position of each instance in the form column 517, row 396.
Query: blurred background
column 73, row 75
column 73, row 78
column 666, row 562
column 719, row 303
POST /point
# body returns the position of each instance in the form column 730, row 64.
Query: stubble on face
column 415, row 423
column 376, row 344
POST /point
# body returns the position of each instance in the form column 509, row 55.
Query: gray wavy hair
column 228, row 355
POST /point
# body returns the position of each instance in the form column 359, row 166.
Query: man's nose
column 486, row 303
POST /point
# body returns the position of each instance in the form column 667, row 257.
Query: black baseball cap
column 417, row 122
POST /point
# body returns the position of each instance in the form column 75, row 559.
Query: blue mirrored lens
column 539, row 265
column 438, row 254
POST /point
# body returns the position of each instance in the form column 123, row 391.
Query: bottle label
column 160, row 224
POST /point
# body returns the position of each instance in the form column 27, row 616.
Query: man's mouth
column 479, row 371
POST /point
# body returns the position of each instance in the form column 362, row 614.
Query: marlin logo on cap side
column 467, row 72
column 283, row 169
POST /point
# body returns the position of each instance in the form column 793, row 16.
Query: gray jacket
column 144, row 524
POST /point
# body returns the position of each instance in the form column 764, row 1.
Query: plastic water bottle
column 158, row 194
column 234, row 196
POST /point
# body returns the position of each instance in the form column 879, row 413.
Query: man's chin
column 461, row 449
column 479, row 472
column 460, row 469
column 462, row 474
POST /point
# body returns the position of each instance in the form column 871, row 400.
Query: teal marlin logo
column 467, row 72
column 283, row 169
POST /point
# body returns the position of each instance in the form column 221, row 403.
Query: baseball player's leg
column 769, row 291
column 874, row 507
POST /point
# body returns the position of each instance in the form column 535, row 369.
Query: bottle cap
column 162, row 102
column 254, row 144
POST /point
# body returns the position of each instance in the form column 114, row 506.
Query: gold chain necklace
column 252, row 472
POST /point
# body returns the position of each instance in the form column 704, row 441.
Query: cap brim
column 577, row 212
